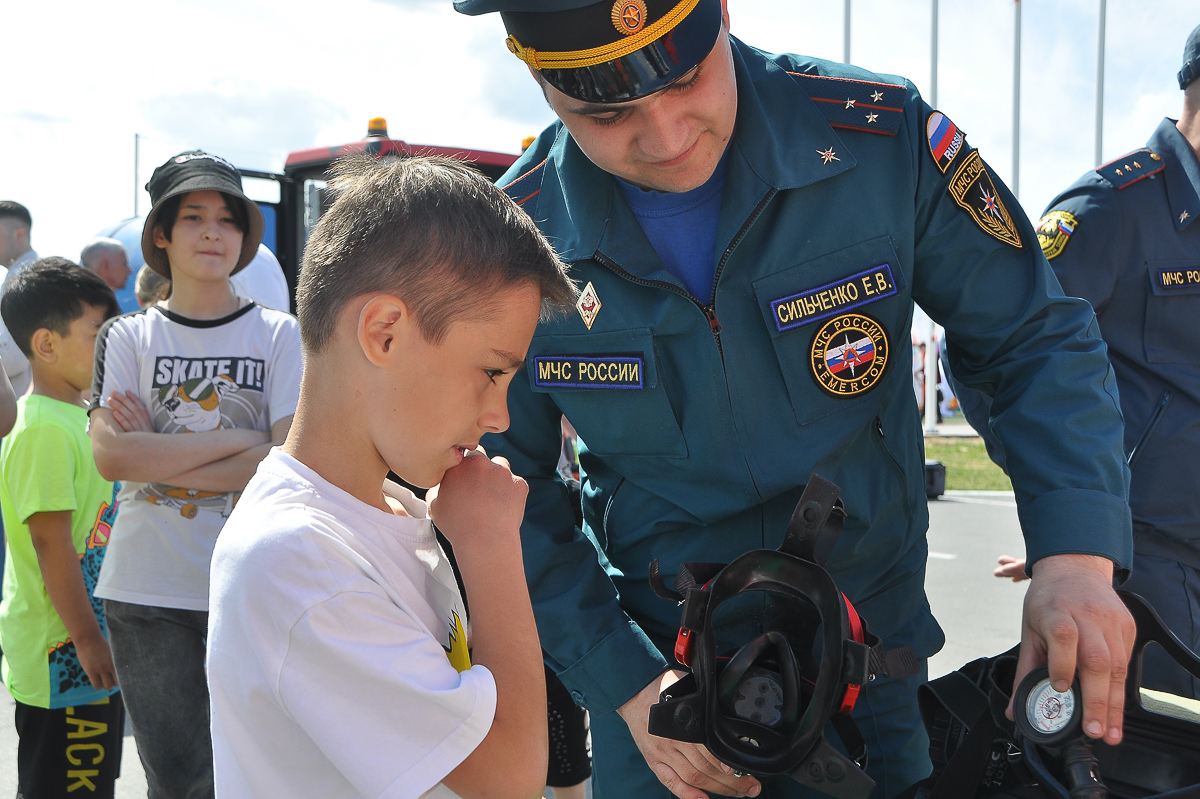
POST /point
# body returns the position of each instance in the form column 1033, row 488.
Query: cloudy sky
column 254, row 79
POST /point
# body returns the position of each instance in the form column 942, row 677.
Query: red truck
column 301, row 197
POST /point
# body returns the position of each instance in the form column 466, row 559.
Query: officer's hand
column 686, row 769
column 1073, row 619
column 1013, row 568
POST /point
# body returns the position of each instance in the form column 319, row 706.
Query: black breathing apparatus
column 763, row 686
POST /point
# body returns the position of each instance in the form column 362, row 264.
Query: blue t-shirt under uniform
column 682, row 228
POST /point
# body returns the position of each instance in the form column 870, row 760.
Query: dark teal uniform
column 701, row 417
column 1124, row 237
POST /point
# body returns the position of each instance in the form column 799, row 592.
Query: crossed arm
column 127, row 448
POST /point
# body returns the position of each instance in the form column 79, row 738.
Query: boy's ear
column 42, row 344
column 383, row 325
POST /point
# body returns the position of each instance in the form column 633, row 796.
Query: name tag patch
column 823, row 302
column 849, row 355
column 625, row 371
column 1175, row 279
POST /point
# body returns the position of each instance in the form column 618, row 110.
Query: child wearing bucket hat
column 190, row 394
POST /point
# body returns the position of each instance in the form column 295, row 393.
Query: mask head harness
column 762, row 708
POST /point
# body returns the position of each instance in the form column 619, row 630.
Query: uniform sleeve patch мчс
column 626, row 370
column 856, row 104
column 945, row 139
column 849, row 354
column 844, row 294
column 972, row 188
column 1054, row 231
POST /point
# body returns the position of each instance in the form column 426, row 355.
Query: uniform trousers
column 887, row 716
column 1173, row 589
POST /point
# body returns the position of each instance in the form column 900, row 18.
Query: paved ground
column 980, row 614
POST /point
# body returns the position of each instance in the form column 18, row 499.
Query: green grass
column 968, row 467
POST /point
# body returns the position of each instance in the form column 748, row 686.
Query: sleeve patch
column 945, row 139
column 1129, row 169
column 1054, row 231
column 856, row 104
column 973, row 190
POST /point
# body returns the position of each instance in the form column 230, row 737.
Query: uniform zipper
column 710, row 309
column 1149, row 429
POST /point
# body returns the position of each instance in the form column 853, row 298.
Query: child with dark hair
column 190, row 394
column 58, row 510
column 340, row 657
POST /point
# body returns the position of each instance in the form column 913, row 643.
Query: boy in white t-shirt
column 340, row 660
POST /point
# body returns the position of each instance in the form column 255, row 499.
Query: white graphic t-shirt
column 337, row 650
column 194, row 376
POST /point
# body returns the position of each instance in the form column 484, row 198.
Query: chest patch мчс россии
column 625, row 371
column 849, row 354
column 843, row 294
column 1177, row 279
column 1054, row 231
column 973, row 190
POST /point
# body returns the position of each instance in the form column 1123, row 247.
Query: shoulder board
column 525, row 189
column 1129, row 169
column 856, row 104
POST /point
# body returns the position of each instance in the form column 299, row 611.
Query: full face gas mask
column 776, row 653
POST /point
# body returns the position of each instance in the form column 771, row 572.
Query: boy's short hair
column 10, row 209
column 51, row 294
column 430, row 230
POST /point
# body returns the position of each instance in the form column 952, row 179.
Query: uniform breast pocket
column 609, row 386
column 830, row 322
column 1172, row 330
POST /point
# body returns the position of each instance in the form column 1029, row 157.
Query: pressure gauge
column 1046, row 716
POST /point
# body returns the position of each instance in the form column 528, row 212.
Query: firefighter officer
column 1124, row 237
column 750, row 232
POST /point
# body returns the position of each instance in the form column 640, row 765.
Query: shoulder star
column 850, row 103
column 827, row 155
column 877, row 96
column 1184, row 216
column 871, row 118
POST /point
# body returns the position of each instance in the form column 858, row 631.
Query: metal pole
column 137, row 187
column 933, row 58
column 1016, row 167
column 846, row 33
column 1100, row 86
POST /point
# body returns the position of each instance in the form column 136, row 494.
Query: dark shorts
column 69, row 752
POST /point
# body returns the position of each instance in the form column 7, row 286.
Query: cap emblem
column 629, row 16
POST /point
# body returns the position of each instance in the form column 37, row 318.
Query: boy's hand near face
column 479, row 506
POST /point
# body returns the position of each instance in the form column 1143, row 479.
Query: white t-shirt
column 262, row 281
column 337, row 659
column 193, row 376
column 16, row 365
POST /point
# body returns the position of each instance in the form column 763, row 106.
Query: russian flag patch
column 945, row 139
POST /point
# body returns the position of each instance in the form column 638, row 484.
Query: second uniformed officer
column 750, row 232
column 1124, row 237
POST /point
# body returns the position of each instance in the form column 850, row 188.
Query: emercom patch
column 973, row 190
column 849, row 355
column 625, row 371
column 1054, row 231
column 823, row 302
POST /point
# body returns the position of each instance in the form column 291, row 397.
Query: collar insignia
column 588, row 305
column 828, row 155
